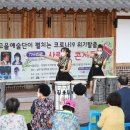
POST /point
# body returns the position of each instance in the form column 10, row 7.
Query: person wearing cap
column 82, row 108
column 124, row 92
column 65, row 120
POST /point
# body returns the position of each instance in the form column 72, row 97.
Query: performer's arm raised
column 92, row 55
column 104, row 63
column 52, row 58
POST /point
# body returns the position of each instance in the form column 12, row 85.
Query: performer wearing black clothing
column 64, row 64
column 97, row 63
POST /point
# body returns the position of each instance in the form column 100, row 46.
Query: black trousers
column 29, row 126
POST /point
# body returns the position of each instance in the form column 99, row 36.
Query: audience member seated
column 82, row 108
column 65, row 120
column 112, row 118
column 1, row 108
column 42, row 109
column 12, row 121
column 125, row 96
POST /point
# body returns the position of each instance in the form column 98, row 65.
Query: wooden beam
column 123, row 17
column 122, row 64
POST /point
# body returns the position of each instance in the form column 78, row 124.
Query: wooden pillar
column 32, row 23
column 74, row 25
column 47, row 30
column 25, row 29
column 114, row 35
column 8, row 24
column 62, row 24
column 86, row 25
column 89, row 24
column 109, row 22
column 44, row 22
column 93, row 25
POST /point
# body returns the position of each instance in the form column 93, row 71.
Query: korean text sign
column 22, row 59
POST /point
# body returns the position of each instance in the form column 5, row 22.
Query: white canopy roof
column 67, row 4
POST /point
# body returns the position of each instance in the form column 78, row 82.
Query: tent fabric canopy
column 67, row 4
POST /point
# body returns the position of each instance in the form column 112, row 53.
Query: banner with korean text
column 21, row 59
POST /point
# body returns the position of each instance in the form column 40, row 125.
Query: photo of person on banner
column 17, row 73
column 17, row 59
column 64, row 64
column 5, row 72
column 5, row 58
column 98, row 62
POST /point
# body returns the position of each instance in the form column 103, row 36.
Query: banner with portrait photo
column 22, row 59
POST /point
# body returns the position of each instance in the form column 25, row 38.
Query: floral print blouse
column 12, row 122
column 64, row 120
column 42, row 110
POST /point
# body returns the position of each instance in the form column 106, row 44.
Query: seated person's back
column 82, row 108
column 125, row 96
column 42, row 109
column 12, row 121
column 65, row 120
column 1, row 108
column 112, row 118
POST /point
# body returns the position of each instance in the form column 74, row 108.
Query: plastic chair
column 127, row 126
column 93, row 125
column 83, row 127
column 1, row 107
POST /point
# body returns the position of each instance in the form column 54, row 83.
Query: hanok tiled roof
column 67, row 4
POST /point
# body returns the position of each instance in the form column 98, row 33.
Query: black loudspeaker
column 49, row 22
column 115, row 23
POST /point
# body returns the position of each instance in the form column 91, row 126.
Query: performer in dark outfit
column 96, row 70
column 64, row 64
